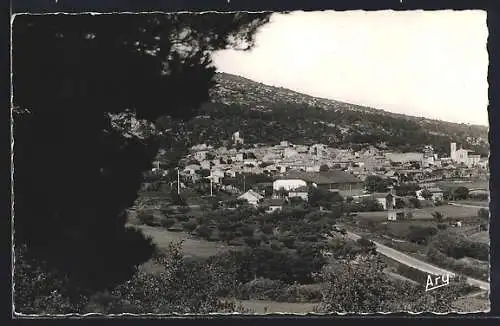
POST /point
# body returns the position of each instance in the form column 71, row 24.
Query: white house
column 273, row 205
column 289, row 152
column 191, row 169
column 288, row 184
column 205, row 165
column 437, row 194
column 299, row 192
column 238, row 157
column 252, row 197
column 236, row 138
column 200, row 155
column 230, row 173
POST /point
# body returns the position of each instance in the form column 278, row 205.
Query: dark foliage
column 375, row 183
column 78, row 159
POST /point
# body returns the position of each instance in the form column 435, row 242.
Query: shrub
column 183, row 217
column 147, row 219
column 420, row 234
column 438, row 216
column 189, row 226
column 442, row 226
column 456, row 246
column 252, row 241
column 226, row 236
column 247, row 230
column 288, row 241
column 38, row 290
column 183, row 209
column 267, row 229
column 483, row 213
column 204, row 231
column 299, row 293
column 261, row 289
column 414, row 202
column 167, row 222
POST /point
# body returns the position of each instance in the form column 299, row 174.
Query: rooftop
column 323, row 177
column 274, row 202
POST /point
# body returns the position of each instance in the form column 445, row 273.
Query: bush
column 483, row 213
column 267, row 229
column 421, row 235
column 147, row 219
column 414, row 202
column 167, row 222
column 189, row 226
column 40, row 291
column 247, row 230
column 183, row 209
column 252, row 241
column 300, row 293
column 288, row 241
column 457, row 246
column 442, row 226
column 261, row 289
column 183, row 217
column 204, row 231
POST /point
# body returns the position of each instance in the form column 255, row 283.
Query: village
column 425, row 213
column 289, row 170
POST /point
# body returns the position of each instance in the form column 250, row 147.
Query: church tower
column 453, row 151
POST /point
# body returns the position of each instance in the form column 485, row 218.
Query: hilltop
column 268, row 114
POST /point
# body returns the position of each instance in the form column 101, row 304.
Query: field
column 483, row 237
column 262, row 307
column 448, row 211
column 194, row 248
column 470, row 185
column 482, row 203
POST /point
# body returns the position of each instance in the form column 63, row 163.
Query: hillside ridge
column 224, row 77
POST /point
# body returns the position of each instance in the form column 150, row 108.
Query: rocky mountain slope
column 268, row 114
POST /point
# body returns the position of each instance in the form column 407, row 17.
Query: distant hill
column 268, row 114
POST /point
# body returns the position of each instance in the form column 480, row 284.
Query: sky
column 424, row 63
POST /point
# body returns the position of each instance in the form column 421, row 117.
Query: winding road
column 418, row 264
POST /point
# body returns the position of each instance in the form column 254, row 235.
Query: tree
column 461, row 193
column 438, row 216
column 375, row 183
column 189, row 226
column 318, row 197
column 75, row 77
column 324, row 168
column 426, row 194
column 361, row 286
column 483, row 213
column 407, row 189
column 182, row 287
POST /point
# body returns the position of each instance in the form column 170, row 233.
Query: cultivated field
column 470, row 184
column 448, row 211
column 483, row 237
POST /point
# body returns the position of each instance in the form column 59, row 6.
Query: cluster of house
column 296, row 167
column 295, row 184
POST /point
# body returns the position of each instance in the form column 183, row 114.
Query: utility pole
column 178, row 182
column 211, row 183
column 244, row 183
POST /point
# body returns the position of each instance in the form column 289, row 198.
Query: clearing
column 483, row 237
column 195, row 248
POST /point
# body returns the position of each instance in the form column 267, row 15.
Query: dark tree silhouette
column 79, row 154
